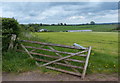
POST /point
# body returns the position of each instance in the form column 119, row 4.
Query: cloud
column 112, row 16
column 76, row 17
column 0, row 12
column 57, row 12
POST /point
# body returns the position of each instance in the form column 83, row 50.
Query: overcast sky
column 61, row 12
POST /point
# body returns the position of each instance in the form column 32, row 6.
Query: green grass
column 103, row 59
column 17, row 62
column 97, row 28
column 104, row 56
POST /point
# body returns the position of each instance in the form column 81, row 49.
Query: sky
column 60, row 12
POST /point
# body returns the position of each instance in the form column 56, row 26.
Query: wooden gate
column 74, row 62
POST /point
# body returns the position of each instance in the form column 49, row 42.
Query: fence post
column 86, row 63
column 11, row 45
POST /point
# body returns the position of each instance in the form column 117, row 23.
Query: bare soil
column 38, row 76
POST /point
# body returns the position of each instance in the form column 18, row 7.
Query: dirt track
column 38, row 76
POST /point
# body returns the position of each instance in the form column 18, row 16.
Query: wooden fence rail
column 58, row 59
column 55, row 57
column 49, row 44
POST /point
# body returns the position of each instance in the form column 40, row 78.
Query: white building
column 78, row 30
column 42, row 30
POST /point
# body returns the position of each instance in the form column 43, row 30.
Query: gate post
column 86, row 63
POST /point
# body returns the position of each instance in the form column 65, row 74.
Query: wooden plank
column 63, row 58
column 65, row 71
column 80, row 61
column 56, row 57
column 55, row 53
column 74, row 60
column 49, row 44
column 33, row 50
column 26, row 51
column 82, row 55
column 62, row 64
column 50, row 56
column 61, row 70
column 86, row 63
column 48, row 50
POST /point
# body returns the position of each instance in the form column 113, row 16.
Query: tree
column 40, row 24
column 118, row 27
column 61, row 23
column 92, row 23
column 52, row 24
column 58, row 23
column 31, row 29
column 65, row 24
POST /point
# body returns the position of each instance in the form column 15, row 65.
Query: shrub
column 31, row 29
column 9, row 26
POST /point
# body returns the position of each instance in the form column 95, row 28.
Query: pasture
column 96, row 28
column 103, row 59
column 104, row 56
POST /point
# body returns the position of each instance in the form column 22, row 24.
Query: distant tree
column 31, row 29
column 65, row 24
column 58, row 23
column 118, row 27
column 92, row 23
column 40, row 24
column 61, row 23
column 29, row 25
column 22, row 25
column 53, row 24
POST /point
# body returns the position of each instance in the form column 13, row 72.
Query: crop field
column 104, row 56
column 96, row 28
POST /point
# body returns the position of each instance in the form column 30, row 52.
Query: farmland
column 41, row 40
column 96, row 28
column 104, row 56
column 103, row 59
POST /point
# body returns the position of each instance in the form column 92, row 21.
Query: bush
column 9, row 26
column 31, row 29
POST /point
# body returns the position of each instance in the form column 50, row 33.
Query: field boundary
column 59, row 59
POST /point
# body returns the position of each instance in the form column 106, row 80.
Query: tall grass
column 18, row 62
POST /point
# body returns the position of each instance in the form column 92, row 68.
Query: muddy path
column 38, row 76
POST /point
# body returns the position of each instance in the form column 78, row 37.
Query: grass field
column 103, row 59
column 104, row 56
column 96, row 28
